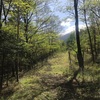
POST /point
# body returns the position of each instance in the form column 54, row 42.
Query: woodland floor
column 49, row 83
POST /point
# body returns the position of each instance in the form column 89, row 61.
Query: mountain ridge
column 65, row 36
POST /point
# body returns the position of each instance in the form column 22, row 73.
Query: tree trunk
column 2, row 71
column 1, row 5
column 13, row 70
column 90, row 40
column 98, row 26
column 69, row 57
column 26, row 28
column 95, row 43
column 79, row 52
column 17, row 54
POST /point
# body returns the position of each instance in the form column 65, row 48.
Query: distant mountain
column 65, row 37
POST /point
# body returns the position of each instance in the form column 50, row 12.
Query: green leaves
column 71, row 42
column 27, row 35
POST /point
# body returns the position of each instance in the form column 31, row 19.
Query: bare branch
column 5, row 14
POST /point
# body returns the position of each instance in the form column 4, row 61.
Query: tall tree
column 79, row 52
column 89, row 34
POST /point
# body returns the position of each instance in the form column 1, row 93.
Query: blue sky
column 58, row 7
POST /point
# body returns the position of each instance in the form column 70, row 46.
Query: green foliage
column 23, row 41
column 71, row 42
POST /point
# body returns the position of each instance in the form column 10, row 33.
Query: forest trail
column 42, row 84
column 49, row 82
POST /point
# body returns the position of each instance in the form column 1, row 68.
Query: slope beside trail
column 41, row 84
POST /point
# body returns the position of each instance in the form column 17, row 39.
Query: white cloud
column 82, row 26
column 72, row 28
column 69, row 19
column 67, row 23
column 68, row 30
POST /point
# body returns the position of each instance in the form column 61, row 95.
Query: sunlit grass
column 58, row 65
column 32, row 84
column 48, row 95
column 29, row 80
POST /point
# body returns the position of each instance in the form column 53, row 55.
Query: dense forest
column 35, row 64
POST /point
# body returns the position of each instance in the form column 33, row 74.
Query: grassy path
column 39, row 85
column 46, row 82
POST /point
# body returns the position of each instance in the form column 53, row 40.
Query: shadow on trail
column 66, row 91
column 87, row 91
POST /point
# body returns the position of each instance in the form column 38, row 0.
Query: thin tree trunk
column 1, row 5
column 98, row 26
column 7, row 77
column 2, row 71
column 79, row 52
column 17, row 54
column 26, row 28
column 13, row 70
column 90, row 40
column 69, row 58
column 2, row 62
column 95, row 42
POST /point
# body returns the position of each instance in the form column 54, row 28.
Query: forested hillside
column 36, row 64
